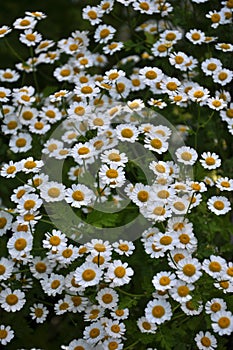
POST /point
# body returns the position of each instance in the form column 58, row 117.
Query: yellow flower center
column 183, row 291
column 65, row 72
column 162, row 48
column 98, row 122
column 20, row 244
column 88, row 275
column 30, row 164
column 21, row 142
column 3, row 222
column 67, row 253
column 171, row 86
column 165, row 240
column 2, row 269
column 25, row 23
column 212, row 66
column 92, row 14
column 120, row 87
column 30, row 37
column 25, row 98
column 120, row 271
column 224, row 322
column 177, row 257
column 55, row 240
column 205, row 341
column 158, row 311
column 163, row 194
column 198, row 94
column 55, row 284
column 114, row 157
column 79, row 348
column 112, row 173
column 12, row 299
column 222, row 76
column 144, row 6
column 94, row 333
column 143, row 196
column 189, row 270
column 98, row 260
column 196, row 36
column 78, row 195
column 136, row 82
column 171, row 37
column 150, row 74
column 112, row 46
column 38, row 125
column 159, row 210
column 215, row 307
column 164, row 281
column 3, row 31
column 179, row 206
column 127, row 133
column 64, row 306
column 219, row 205
column 104, row 33
column 40, row 267
column 224, row 284
column 113, row 345
column 54, row 192
column 230, row 271
column 86, row 90
column 29, row 204
column 214, row 266
column 3, row 333
column 186, row 156
column 107, row 298
column 184, row 238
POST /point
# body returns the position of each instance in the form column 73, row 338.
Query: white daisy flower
column 158, row 311
column 205, row 341
column 224, row 184
column 186, row 155
column 88, row 274
column 112, row 175
column 93, row 333
column 5, row 222
column 219, row 205
column 6, row 268
column 164, row 280
column 210, row 160
column 196, row 36
column 107, row 298
column 118, row 273
column 223, row 76
column 214, row 305
column 79, row 195
column 181, row 291
column 214, row 266
column 127, row 132
column 20, row 143
column 104, row 33
column 30, row 38
column 115, row 328
column 189, row 269
column 222, row 322
column 12, row 300
column 53, row 284
column 52, row 191
column 123, row 247
column 6, row 334
column 39, row 312
column 20, row 244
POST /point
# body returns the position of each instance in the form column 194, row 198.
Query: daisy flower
column 189, row 270
column 112, row 343
column 191, row 308
column 93, row 333
column 224, row 184
column 219, row 205
column 29, row 203
column 62, row 306
column 216, row 103
column 205, row 341
column 104, row 33
column 12, row 300
column 155, row 211
column 197, row 37
column 52, row 191
column 123, row 247
column 181, row 291
column 145, row 326
column 107, row 298
column 211, row 65
column 127, row 132
column 11, row 169
column 20, row 143
column 93, row 14
column 50, row 113
column 9, row 75
column 4, row 94
column 186, row 155
column 41, row 267
column 6, row 334
column 30, row 38
column 53, row 284
column 225, row 47
column 214, row 305
column 4, row 30
column 118, row 273
column 113, row 156
column 88, row 274
column 54, row 240
column 113, row 47
column 39, row 312
column 140, row 194
column 20, row 244
column 77, row 343
column 161, row 48
column 164, row 280
column 112, row 175
column 28, row 22
column 158, row 311
column 222, row 322
column 223, row 76
column 198, row 94
column 5, row 222
column 66, row 255
column 210, row 160
column 150, row 75
column 214, row 266
column 115, row 328
column 79, row 195
column 6, row 268
column 157, row 144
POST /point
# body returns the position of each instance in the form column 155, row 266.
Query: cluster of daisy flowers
column 90, row 279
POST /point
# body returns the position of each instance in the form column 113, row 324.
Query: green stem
column 34, row 70
column 132, row 345
column 130, row 294
column 13, row 51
